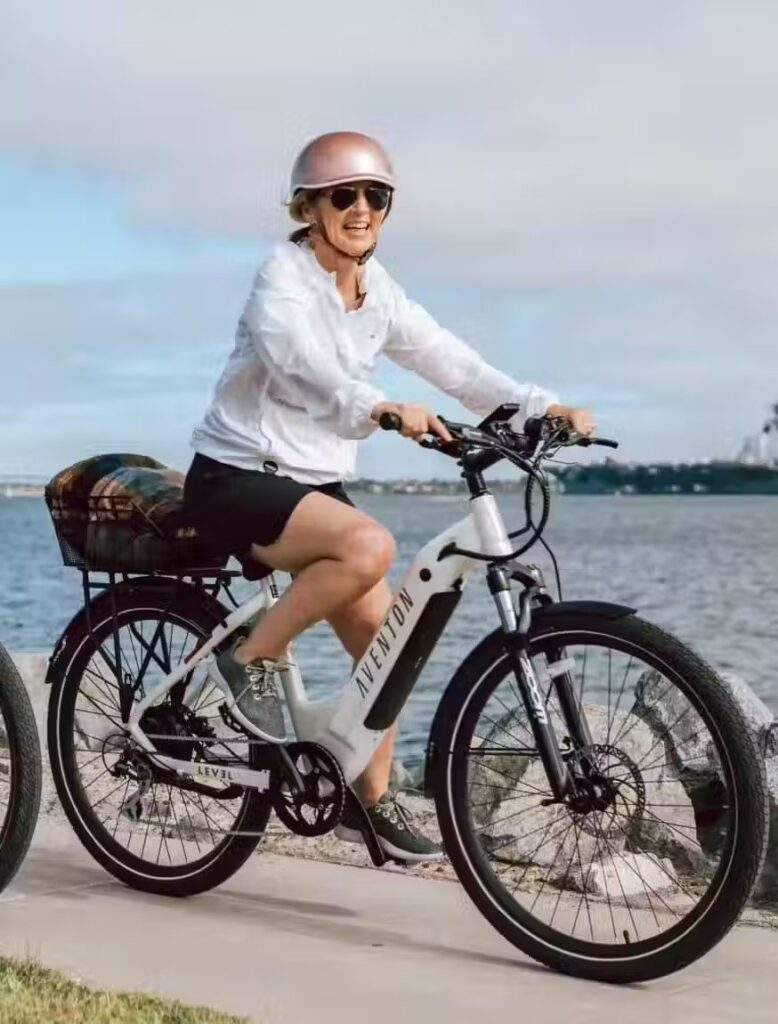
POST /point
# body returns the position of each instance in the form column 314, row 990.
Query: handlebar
column 476, row 448
column 537, row 430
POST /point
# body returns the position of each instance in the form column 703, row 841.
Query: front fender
column 480, row 659
column 604, row 608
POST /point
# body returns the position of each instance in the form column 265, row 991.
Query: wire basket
column 113, row 533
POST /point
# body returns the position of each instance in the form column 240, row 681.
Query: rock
column 624, row 877
column 766, row 892
column 759, row 717
column 399, row 776
column 656, row 816
column 690, row 750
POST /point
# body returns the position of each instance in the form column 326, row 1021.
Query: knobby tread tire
column 748, row 777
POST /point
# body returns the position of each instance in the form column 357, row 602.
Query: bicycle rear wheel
column 653, row 863
column 20, row 770
column 149, row 831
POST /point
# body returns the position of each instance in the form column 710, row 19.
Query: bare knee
column 369, row 551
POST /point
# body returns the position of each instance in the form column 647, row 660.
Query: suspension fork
column 516, row 634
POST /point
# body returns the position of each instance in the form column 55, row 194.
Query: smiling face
column 353, row 230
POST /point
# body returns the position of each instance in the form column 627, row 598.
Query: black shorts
column 234, row 508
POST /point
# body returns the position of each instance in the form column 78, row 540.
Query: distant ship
column 754, row 471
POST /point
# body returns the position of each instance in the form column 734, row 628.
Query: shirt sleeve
column 281, row 327
column 418, row 343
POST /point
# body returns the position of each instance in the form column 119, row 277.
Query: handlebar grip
column 604, row 442
column 390, row 421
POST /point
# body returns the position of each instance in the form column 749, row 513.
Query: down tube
column 385, row 676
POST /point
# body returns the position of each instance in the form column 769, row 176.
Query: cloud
column 588, row 191
column 534, row 141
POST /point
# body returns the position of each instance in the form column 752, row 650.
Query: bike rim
column 616, row 883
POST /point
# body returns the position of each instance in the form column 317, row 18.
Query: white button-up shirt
column 297, row 387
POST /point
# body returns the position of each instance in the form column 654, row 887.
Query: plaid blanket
column 125, row 512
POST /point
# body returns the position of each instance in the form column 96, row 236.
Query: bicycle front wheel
column 653, row 862
column 20, row 770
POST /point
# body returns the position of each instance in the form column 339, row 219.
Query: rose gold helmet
column 334, row 159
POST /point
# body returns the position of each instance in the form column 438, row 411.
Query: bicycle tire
column 24, row 794
column 201, row 613
column 731, row 887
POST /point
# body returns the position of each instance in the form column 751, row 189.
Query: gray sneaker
column 257, row 705
column 394, row 830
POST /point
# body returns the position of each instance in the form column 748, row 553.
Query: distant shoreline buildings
column 755, row 471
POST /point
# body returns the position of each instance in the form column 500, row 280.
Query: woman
column 281, row 434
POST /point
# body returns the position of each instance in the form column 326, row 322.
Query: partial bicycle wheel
column 145, row 827
column 653, row 862
column 20, row 770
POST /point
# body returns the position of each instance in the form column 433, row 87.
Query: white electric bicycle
column 598, row 791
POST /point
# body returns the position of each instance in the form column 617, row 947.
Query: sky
column 587, row 194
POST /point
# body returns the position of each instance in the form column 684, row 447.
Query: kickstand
column 356, row 811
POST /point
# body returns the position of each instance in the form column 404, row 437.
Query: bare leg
column 337, row 554
column 339, row 557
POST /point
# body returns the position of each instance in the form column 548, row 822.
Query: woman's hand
column 417, row 420
column 579, row 419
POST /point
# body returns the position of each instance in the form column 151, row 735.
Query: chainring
column 319, row 807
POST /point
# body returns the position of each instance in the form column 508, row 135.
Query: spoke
column 94, row 780
column 185, row 802
column 509, row 817
column 178, row 829
column 148, row 820
column 91, row 760
column 108, row 795
column 547, row 875
column 504, row 751
column 498, row 726
column 104, row 693
column 121, row 805
column 585, row 885
column 637, row 873
column 562, row 886
column 517, row 783
column 675, row 827
column 583, row 676
column 162, row 836
column 621, row 694
column 657, row 863
column 610, row 679
column 513, row 714
column 101, row 708
column 623, row 733
column 528, row 835
column 667, row 735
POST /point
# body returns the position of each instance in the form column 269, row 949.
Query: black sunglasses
column 344, row 196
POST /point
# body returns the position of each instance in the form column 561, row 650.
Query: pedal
column 353, row 807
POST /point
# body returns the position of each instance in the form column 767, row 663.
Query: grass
column 31, row 994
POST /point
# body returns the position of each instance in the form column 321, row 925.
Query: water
column 704, row 567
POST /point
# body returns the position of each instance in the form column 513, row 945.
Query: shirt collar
column 363, row 272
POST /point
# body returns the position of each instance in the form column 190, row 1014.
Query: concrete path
column 298, row 941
